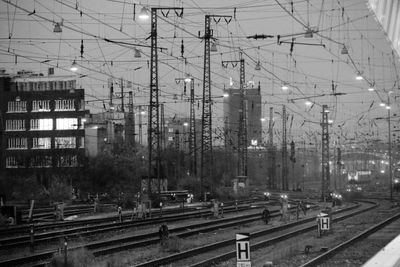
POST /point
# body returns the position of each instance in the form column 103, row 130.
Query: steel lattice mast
column 192, row 132
column 154, row 115
column 154, row 134
column 206, row 165
column 285, row 184
column 242, row 138
column 271, row 151
column 325, row 154
column 206, row 130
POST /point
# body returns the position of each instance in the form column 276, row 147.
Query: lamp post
column 388, row 118
column 390, row 149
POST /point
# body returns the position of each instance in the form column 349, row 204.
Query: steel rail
column 102, row 228
column 179, row 256
column 85, row 230
column 330, row 253
column 47, row 226
column 48, row 254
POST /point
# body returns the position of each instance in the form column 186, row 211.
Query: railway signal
column 243, row 250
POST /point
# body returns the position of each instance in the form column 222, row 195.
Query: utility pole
column 285, row 183
column 110, row 121
column 122, row 96
column 325, row 181
column 206, row 165
column 140, row 125
column 271, row 152
column 130, row 127
column 162, row 127
column 242, row 131
column 154, row 159
column 293, row 160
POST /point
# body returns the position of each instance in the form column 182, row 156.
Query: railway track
column 113, row 245
column 178, row 259
column 48, row 226
column 46, row 237
column 325, row 257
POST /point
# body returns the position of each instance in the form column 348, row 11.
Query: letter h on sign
column 324, row 223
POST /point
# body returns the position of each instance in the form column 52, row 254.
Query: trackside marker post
column 243, row 250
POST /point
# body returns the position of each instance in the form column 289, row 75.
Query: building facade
column 42, row 124
column 252, row 104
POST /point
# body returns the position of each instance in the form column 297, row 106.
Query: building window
column 14, row 162
column 41, row 124
column 67, row 124
column 170, row 138
column 40, row 105
column 170, row 130
column 40, row 161
column 67, row 161
column 65, row 142
column 16, row 106
column 17, row 143
column 41, row 143
column 64, row 104
column 15, row 125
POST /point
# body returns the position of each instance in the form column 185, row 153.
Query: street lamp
column 390, row 148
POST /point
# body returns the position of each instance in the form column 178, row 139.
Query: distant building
column 252, row 105
column 104, row 130
column 42, row 123
column 177, row 133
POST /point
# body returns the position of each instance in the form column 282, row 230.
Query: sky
column 314, row 69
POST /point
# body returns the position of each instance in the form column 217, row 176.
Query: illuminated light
column 382, row 104
column 359, row 77
column 285, row 87
column 185, row 124
column 225, row 95
column 74, row 66
column 382, row 171
column 262, row 119
column 371, row 89
column 330, row 121
column 144, row 14
column 387, row 107
column 230, row 81
column 308, row 103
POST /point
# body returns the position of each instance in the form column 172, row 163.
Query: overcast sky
column 314, row 69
